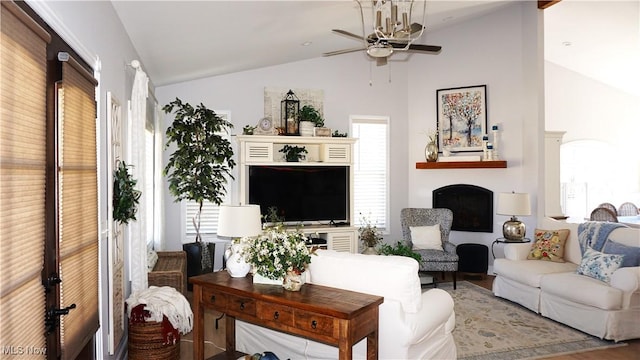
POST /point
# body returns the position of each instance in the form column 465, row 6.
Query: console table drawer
column 315, row 323
column 276, row 313
column 241, row 305
column 217, row 299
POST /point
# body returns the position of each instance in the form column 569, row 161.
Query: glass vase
column 431, row 152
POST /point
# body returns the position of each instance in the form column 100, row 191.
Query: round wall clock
column 265, row 127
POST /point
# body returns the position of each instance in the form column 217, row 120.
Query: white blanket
column 165, row 301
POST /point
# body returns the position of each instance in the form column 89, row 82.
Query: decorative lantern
column 289, row 108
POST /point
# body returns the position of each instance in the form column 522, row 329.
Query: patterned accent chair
column 628, row 209
column 603, row 214
column 432, row 260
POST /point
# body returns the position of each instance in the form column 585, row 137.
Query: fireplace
column 472, row 206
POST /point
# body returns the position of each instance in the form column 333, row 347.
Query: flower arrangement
column 369, row 234
column 277, row 252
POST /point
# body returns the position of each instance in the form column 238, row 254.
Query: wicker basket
column 146, row 342
column 170, row 270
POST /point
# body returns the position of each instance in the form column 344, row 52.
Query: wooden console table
column 333, row 316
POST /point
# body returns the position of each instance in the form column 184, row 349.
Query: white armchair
column 412, row 324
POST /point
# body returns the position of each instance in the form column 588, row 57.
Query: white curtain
column 138, row 229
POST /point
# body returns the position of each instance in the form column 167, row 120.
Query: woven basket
column 146, row 342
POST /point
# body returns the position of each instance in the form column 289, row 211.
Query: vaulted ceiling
column 184, row 40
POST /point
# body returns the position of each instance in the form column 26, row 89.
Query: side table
column 502, row 240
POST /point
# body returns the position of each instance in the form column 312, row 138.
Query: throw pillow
column 599, row 265
column 549, row 245
column 426, row 237
column 152, row 259
column 631, row 253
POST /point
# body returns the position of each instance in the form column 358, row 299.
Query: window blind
column 22, row 181
column 370, row 171
column 77, row 212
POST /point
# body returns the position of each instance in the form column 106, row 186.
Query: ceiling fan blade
column 381, row 61
column 348, row 34
column 343, row 51
column 425, row 48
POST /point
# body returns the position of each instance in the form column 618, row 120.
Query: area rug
column 491, row 328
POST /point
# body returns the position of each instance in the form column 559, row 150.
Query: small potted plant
column 370, row 237
column 309, row 113
column 293, row 153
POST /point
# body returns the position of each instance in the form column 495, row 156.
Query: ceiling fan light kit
column 390, row 34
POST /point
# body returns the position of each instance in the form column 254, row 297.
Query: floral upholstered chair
column 426, row 231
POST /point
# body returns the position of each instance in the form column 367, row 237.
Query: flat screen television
column 308, row 194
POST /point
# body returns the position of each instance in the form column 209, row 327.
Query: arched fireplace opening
column 472, row 206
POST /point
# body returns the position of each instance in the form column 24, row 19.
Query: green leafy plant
column 399, row 249
column 293, row 153
column 248, row 130
column 125, row 195
column 201, row 164
column 309, row 113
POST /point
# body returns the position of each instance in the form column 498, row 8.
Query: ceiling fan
column 396, row 34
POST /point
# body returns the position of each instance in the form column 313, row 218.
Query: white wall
column 345, row 82
column 94, row 30
column 499, row 50
column 588, row 109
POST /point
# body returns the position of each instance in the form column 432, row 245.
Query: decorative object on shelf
column 278, row 251
column 336, row 133
column 462, row 117
column 306, row 128
column 125, row 195
column 495, row 143
column 289, row 109
column 265, row 127
column 369, row 236
column 431, row 150
column 248, row 130
column 513, row 204
column 400, row 249
column 321, row 131
column 238, row 222
column 310, row 113
column 293, row 153
column 201, row 164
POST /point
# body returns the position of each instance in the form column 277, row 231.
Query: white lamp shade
column 239, row 220
column 513, row 204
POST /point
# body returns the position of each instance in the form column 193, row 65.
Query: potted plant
column 370, row 237
column 125, row 196
column 309, row 113
column 198, row 169
column 293, row 153
column 400, row 249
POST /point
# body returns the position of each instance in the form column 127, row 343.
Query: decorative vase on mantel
column 431, row 152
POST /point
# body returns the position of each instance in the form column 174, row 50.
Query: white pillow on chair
column 426, row 237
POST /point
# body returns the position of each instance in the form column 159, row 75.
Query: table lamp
column 237, row 221
column 513, row 204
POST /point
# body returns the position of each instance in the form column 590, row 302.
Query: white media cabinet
column 322, row 151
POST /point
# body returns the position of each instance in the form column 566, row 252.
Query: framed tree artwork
column 462, row 118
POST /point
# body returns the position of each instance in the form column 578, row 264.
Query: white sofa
column 412, row 324
column 606, row 310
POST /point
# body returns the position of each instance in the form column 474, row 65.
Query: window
column 210, row 211
column 370, row 183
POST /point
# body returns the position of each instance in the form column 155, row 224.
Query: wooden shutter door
column 22, row 183
column 78, row 207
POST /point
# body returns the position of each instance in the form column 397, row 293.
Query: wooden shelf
column 462, row 165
